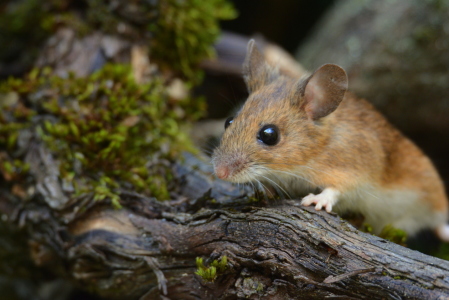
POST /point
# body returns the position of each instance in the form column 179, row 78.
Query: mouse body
column 300, row 135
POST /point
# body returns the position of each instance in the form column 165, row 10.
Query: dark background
column 284, row 22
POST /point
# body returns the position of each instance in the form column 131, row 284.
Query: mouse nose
column 222, row 172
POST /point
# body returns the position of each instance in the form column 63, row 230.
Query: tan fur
column 354, row 150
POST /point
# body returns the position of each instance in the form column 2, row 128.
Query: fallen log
column 274, row 250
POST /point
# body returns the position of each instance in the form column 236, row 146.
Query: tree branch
column 148, row 249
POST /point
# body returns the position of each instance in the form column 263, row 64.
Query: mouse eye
column 228, row 121
column 269, row 135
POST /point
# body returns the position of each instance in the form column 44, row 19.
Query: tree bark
column 275, row 250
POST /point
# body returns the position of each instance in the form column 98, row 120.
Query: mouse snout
column 222, row 171
column 227, row 168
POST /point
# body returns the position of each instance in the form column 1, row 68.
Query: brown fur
column 341, row 146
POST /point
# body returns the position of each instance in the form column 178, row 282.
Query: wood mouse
column 302, row 134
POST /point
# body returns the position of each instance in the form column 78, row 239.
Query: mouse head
column 282, row 124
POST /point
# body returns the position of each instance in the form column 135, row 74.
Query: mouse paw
column 326, row 199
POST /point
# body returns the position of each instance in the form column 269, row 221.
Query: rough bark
column 276, row 250
column 281, row 252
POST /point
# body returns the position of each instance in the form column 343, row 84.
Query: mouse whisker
column 233, row 103
column 302, row 166
column 276, row 186
column 295, row 175
column 250, row 180
column 254, row 187
column 261, row 190
column 364, row 191
column 265, row 189
column 208, row 149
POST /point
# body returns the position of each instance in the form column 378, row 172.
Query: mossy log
column 276, row 250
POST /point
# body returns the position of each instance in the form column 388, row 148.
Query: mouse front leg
column 326, row 199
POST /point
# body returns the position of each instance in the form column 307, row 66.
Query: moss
column 216, row 268
column 180, row 32
column 389, row 233
column 394, row 235
column 425, row 35
column 443, row 251
column 106, row 131
column 14, row 117
column 367, row 228
column 188, row 28
column 254, row 199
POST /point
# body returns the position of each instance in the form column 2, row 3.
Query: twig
column 162, row 281
column 332, row 279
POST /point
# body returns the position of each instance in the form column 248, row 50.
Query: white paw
column 326, row 199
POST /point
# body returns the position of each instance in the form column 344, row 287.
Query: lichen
column 106, row 131
column 216, row 268
column 260, row 287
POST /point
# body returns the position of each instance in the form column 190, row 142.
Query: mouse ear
column 324, row 91
column 256, row 71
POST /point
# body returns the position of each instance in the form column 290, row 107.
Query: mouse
column 311, row 136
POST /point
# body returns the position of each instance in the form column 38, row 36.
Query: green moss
column 187, row 28
column 425, row 35
column 254, row 199
column 367, row 228
column 443, row 251
column 14, row 117
column 389, row 233
column 106, row 131
column 216, row 268
column 180, row 32
column 394, row 235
